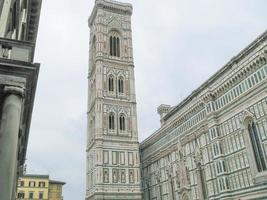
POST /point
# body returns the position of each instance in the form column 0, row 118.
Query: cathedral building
column 212, row 145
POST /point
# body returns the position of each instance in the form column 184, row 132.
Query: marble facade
column 212, row 145
column 113, row 164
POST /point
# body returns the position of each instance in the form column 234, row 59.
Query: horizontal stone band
column 14, row 90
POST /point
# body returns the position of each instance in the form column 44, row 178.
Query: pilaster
column 9, row 135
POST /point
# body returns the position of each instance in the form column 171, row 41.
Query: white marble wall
column 113, row 164
column 203, row 151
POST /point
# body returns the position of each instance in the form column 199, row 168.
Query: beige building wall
column 39, row 187
column 33, row 187
column 55, row 190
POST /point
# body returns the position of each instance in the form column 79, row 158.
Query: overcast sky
column 178, row 44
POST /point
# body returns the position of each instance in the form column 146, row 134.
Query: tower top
column 112, row 6
column 162, row 111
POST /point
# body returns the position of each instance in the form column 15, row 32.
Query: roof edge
column 233, row 60
column 213, row 78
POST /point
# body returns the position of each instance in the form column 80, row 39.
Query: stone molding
column 261, row 59
column 14, row 90
column 110, row 5
column 252, row 63
column 183, row 109
column 12, row 80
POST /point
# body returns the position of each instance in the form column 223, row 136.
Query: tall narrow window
column 114, row 43
column 118, row 47
column 94, row 47
column 114, row 46
column 14, row 16
column 120, row 85
column 21, row 195
column 257, row 148
column 41, row 184
column 31, row 195
column 122, row 122
column 41, row 195
column 110, row 46
column 24, row 5
column 111, row 84
column 111, row 123
column 23, row 28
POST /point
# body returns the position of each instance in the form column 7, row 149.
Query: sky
column 178, row 45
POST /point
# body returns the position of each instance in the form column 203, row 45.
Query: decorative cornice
column 189, row 137
column 247, row 118
column 223, row 70
column 110, row 5
column 34, row 10
column 165, row 129
column 254, row 64
column 184, row 107
column 12, row 80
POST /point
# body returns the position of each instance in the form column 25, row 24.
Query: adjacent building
column 18, row 78
column 55, row 190
column 113, row 165
column 39, row 187
column 213, row 145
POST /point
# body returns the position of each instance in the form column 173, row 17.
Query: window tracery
column 114, row 44
column 111, row 123
column 111, row 83
column 121, row 85
column 122, row 122
column 257, row 147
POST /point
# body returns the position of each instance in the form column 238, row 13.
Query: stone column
column 9, row 133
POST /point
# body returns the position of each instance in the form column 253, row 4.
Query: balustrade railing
column 16, row 50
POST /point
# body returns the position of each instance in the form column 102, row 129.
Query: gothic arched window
column 257, row 147
column 185, row 197
column 121, row 85
column 114, row 46
column 111, row 84
column 122, row 122
column 94, row 42
column 111, row 121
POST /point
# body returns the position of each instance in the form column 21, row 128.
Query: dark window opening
column 122, row 123
column 111, row 121
column 120, row 85
column 257, row 148
column 111, row 84
column 114, row 46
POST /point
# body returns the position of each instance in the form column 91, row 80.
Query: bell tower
column 113, row 164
